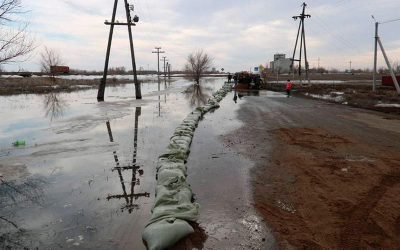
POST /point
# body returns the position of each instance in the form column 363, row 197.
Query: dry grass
column 38, row 85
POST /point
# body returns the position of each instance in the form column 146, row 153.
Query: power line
column 75, row 6
column 141, row 9
column 328, row 41
column 335, row 34
column 334, row 5
column 152, row 24
column 390, row 21
column 145, row 21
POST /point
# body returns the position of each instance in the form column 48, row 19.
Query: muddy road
column 326, row 176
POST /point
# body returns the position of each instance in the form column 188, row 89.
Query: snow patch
column 388, row 105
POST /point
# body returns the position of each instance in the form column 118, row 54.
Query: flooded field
column 86, row 176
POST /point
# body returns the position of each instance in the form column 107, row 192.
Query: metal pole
column 135, row 80
column 375, row 56
column 389, row 67
column 295, row 47
column 301, row 45
column 102, row 87
column 305, row 53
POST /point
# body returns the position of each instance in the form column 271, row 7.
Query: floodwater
column 86, row 177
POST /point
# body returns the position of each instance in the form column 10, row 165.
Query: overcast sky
column 238, row 34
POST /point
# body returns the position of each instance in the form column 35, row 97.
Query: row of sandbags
column 174, row 198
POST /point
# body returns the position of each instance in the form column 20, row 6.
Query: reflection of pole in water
column 165, row 88
column 159, row 98
column 134, row 167
column 112, row 140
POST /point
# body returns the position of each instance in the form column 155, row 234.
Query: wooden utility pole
column 158, row 59
column 302, row 16
column 129, row 22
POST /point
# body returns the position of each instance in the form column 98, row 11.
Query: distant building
column 213, row 70
column 280, row 62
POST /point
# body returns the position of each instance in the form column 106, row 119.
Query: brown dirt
column 319, row 191
column 193, row 241
column 360, row 96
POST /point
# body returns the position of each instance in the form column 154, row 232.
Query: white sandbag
column 167, row 173
column 166, row 233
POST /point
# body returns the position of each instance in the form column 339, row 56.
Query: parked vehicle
column 59, row 69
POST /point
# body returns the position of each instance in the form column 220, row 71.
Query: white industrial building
column 280, row 63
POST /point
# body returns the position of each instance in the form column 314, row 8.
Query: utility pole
column 375, row 55
column 302, row 16
column 129, row 22
column 379, row 42
column 158, row 59
column 169, row 70
column 165, row 60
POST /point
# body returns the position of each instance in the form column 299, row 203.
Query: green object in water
column 17, row 143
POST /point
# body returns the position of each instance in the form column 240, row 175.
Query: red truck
column 59, row 69
column 388, row 80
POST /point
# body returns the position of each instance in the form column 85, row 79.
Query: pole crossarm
column 110, row 23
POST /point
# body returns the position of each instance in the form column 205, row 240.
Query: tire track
column 354, row 226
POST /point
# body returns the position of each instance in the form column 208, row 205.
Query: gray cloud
column 239, row 34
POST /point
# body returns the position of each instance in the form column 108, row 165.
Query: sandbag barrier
column 174, row 204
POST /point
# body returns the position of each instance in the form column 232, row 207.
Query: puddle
column 86, row 176
column 226, row 204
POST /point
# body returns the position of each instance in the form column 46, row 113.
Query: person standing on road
column 235, row 80
column 288, row 87
column 229, row 77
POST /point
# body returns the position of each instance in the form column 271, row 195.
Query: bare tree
column 396, row 66
column 197, row 65
column 49, row 59
column 15, row 41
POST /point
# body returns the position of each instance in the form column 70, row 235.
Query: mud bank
column 385, row 99
column 325, row 177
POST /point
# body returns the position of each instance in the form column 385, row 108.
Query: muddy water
column 86, row 176
column 220, row 179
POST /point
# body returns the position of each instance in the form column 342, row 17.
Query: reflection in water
column 136, row 169
column 14, row 197
column 197, row 94
column 166, row 86
column 54, row 105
